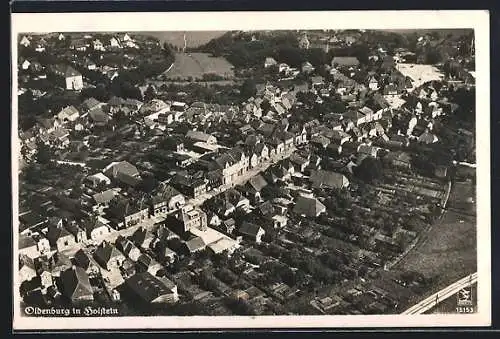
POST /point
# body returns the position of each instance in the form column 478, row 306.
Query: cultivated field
column 420, row 74
column 195, row 65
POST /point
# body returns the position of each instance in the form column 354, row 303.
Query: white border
column 222, row 21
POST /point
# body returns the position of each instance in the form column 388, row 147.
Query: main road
column 442, row 295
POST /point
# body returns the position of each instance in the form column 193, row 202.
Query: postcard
column 223, row 170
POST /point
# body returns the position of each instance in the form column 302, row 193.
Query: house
column 60, row 238
column 58, row 263
column 308, row 207
column 98, row 179
column 320, row 141
column 123, row 172
column 164, row 253
column 147, row 264
column 186, row 218
column 339, row 136
column 127, row 248
column 98, row 117
column 200, row 136
column 90, row 104
column 193, row 245
column 73, row 79
column 254, row 186
column 299, row 163
column 152, row 290
column 27, row 269
column 189, row 186
column 25, row 41
column 307, row 67
column 28, row 246
column 372, row 83
column 127, row 213
column 228, row 226
column 96, row 230
column 269, row 62
column 76, row 285
column 251, row 231
column 391, row 90
column 166, row 200
column 25, row 64
column 356, row 116
column 371, row 151
column 427, row 138
column 83, row 260
column 345, row 62
column 89, row 64
column 108, row 256
column 143, row 238
column 68, row 113
column 304, row 42
column 115, row 43
column 97, row 45
column 221, row 245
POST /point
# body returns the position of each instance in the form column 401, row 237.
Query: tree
column 149, row 93
column 370, row 170
column 248, row 89
column 44, row 154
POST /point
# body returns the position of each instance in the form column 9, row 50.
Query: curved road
column 442, row 295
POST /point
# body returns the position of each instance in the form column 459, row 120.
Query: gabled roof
column 141, row 235
column 249, row 229
column 310, row 207
column 26, row 241
column 90, row 103
column 322, row 178
column 76, row 283
column 195, row 244
column 56, row 233
column 106, row 252
column 257, row 183
column 71, row 72
column 148, row 287
column 82, row 259
column 104, row 197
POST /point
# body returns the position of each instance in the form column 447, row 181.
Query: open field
column 420, row 74
column 448, row 252
column 193, row 39
column 195, row 65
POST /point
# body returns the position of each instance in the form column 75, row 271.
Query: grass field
column 448, row 252
column 196, row 64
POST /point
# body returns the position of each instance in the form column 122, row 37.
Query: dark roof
column 26, row 241
column 257, row 183
column 345, row 61
column 249, row 229
column 140, row 235
column 323, row 178
column 310, row 207
column 55, row 233
column 71, row 72
column 106, row 252
column 82, row 259
column 194, row 244
column 76, row 283
column 104, row 197
column 98, row 115
column 147, row 286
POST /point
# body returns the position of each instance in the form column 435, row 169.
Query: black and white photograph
column 285, row 170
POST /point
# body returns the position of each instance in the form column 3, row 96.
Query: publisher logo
column 464, row 297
